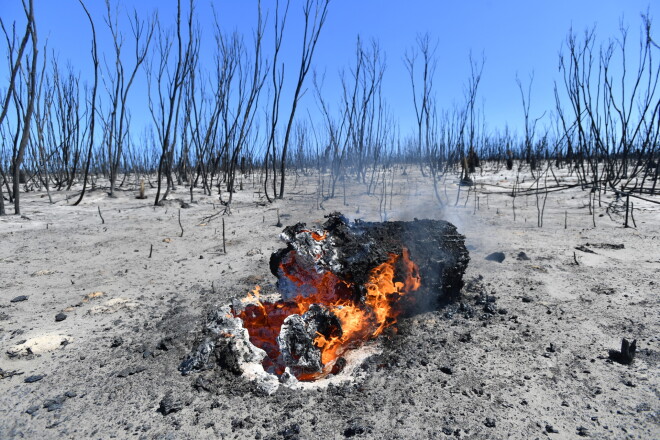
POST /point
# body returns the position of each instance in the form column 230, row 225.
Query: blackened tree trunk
column 92, row 113
column 310, row 39
column 27, row 117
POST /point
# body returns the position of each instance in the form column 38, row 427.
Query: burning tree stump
column 340, row 286
column 351, row 250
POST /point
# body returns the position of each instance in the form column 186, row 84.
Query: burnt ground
column 523, row 354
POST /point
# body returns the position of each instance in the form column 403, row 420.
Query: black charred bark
column 434, row 245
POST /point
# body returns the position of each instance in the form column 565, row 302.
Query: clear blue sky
column 516, row 37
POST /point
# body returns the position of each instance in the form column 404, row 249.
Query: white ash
column 226, row 341
column 350, row 373
column 323, row 254
column 226, row 344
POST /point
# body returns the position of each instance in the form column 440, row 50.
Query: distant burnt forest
column 220, row 124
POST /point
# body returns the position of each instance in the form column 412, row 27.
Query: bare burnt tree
column 613, row 118
column 15, row 58
column 15, row 54
column 567, row 130
column 381, row 131
column 64, row 131
column 118, row 82
column 358, row 136
column 470, row 159
column 336, row 143
column 201, row 119
column 442, row 135
column 251, row 77
column 315, row 13
column 39, row 151
column 166, row 77
column 229, row 49
column 277, row 77
column 647, row 163
column 635, row 110
column 194, row 124
column 530, row 126
column 24, row 102
column 91, row 105
column 181, row 167
column 366, row 108
column 422, row 99
column 3, row 165
column 574, row 65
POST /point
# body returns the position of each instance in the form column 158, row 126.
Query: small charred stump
column 626, row 355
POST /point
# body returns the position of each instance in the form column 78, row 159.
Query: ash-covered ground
column 93, row 327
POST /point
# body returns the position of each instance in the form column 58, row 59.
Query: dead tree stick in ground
column 513, row 206
column 632, row 206
column 593, row 211
column 224, row 243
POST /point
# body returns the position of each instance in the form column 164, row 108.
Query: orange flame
column 318, row 237
column 360, row 320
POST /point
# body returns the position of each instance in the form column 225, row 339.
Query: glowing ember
column 333, row 309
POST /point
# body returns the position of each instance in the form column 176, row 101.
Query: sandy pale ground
column 93, row 350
